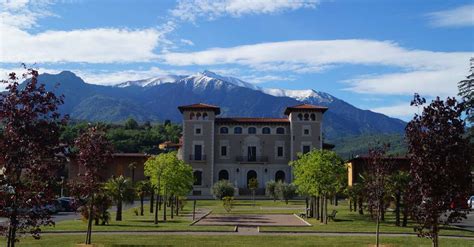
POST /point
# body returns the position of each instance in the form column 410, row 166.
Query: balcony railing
column 196, row 157
column 251, row 159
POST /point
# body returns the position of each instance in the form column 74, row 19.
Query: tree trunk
column 172, row 206
column 152, row 200
column 321, row 216
column 405, row 215
column 12, row 231
column 350, row 205
column 194, row 209
column 141, row 204
column 377, row 230
column 316, row 203
column 156, row 208
column 326, row 209
column 164, row 207
column 361, row 209
column 177, row 206
column 397, row 208
column 118, row 216
column 434, row 239
column 336, row 202
column 307, row 208
column 89, row 222
column 355, row 204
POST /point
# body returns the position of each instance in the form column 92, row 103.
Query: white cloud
column 187, row 42
column 457, row 17
column 404, row 111
column 191, row 10
column 434, row 73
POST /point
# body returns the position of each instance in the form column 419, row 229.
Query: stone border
column 200, row 218
column 306, row 222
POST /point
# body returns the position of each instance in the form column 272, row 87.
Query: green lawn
column 132, row 222
column 189, row 240
column 347, row 221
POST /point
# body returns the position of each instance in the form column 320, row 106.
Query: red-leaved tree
column 94, row 151
column 440, row 165
column 31, row 154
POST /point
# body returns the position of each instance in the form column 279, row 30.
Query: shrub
column 227, row 200
column 270, row 187
column 222, row 189
column 285, row 191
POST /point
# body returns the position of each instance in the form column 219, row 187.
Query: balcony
column 197, row 157
column 251, row 159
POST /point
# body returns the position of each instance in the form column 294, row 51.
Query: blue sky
column 373, row 54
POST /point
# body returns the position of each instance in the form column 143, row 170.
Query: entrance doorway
column 251, row 174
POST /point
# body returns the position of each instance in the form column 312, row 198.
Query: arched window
column 251, row 174
column 197, row 177
column 266, row 131
column 191, row 116
column 198, row 116
column 223, row 175
column 313, row 117
column 306, row 117
column 280, row 130
column 300, row 117
column 237, row 130
column 224, row 130
column 205, row 116
column 280, row 176
column 252, row 130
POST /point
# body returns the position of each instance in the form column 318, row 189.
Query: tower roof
column 200, row 106
column 305, row 107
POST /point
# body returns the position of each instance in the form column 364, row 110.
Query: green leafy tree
column 142, row 188
column 466, row 91
column 319, row 173
column 131, row 124
column 223, row 188
column 121, row 191
column 285, row 191
column 270, row 187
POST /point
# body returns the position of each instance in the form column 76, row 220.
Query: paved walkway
column 251, row 220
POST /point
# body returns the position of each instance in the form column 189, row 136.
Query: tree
column 270, row 189
column 132, row 166
column 171, row 176
column 94, row 151
column 397, row 185
column 466, row 91
column 253, row 186
column 319, row 173
column 31, row 152
column 131, row 124
column 378, row 169
column 440, row 164
column 223, row 188
column 285, row 191
column 120, row 190
column 142, row 188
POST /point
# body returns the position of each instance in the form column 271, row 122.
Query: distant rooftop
column 200, row 106
column 305, row 107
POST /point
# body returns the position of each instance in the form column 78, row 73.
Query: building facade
column 238, row 149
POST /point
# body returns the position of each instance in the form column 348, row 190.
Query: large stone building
column 238, row 149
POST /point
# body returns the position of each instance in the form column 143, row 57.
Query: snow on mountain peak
column 301, row 95
column 151, row 81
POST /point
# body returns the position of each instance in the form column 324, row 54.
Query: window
column 266, row 131
column 280, row 130
column 238, row 130
column 313, row 117
column 191, row 116
column 252, row 130
column 197, row 131
column 197, row 177
column 280, row 176
column 306, row 130
column 205, row 116
column 300, row 116
column 306, row 117
column 306, row 149
column 224, row 130
column 223, row 175
column 198, row 116
column 279, row 151
column 198, row 152
column 223, row 150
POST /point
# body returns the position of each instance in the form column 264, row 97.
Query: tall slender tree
column 94, row 151
column 31, row 153
column 440, row 164
column 121, row 190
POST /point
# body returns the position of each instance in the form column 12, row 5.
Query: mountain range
column 157, row 99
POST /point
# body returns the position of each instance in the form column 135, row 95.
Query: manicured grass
column 192, row 240
column 132, row 222
column 347, row 221
column 257, row 207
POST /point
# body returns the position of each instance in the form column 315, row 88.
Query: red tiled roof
column 305, row 107
column 200, row 106
column 252, row 120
